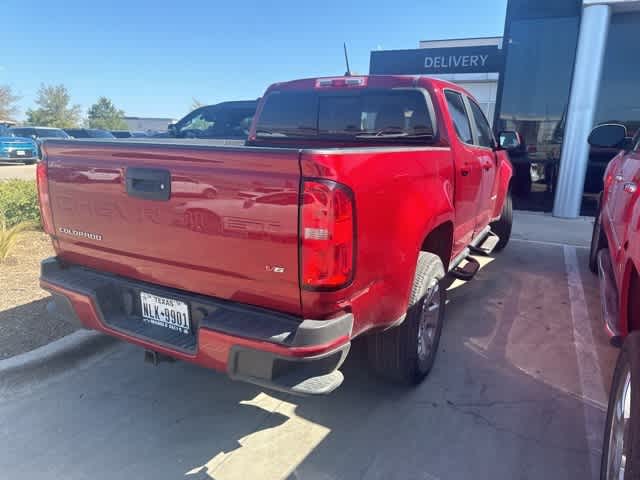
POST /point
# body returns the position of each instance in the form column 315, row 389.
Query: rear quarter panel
column 401, row 194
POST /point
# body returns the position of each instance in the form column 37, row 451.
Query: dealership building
column 561, row 67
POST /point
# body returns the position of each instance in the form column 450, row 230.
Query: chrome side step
column 609, row 295
column 467, row 271
column 464, row 266
column 488, row 244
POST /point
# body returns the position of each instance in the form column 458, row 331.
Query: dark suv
column 227, row 120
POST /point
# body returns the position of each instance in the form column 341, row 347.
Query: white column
column 592, row 42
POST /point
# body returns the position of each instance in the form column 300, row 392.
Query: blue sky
column 152, row 57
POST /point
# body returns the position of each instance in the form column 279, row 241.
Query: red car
column 341, row 217
column 615, row 255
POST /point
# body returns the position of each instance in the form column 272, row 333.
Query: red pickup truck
column 351, row 201
column 615, row 255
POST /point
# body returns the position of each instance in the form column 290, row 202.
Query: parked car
column 230, row 120
column 16, row 149
column 39, row 133
column 353, row 199
column 615, row 255
column 88, row 133
column 128, row 134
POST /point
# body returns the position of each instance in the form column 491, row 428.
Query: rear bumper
column 263, row 347
column 19, row 160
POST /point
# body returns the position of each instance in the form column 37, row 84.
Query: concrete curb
column 56, row 357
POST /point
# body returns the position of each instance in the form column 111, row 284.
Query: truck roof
column 369, row 80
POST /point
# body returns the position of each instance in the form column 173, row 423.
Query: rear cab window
column 366, row 115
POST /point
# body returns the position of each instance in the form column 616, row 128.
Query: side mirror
column 609, row 135
column 510, row 140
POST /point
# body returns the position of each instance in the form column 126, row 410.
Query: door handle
column 487, row 166
column 464, row 171
column 149, row 183
column 630, row 187
column 618, row 177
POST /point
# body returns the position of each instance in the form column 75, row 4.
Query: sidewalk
column 543, row 227
column 23, row 172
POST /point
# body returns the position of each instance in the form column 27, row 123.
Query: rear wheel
column 598, row 242
column 621, row 448
column 407, row 353
column 502, row 227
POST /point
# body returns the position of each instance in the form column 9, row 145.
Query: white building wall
column 483, row 86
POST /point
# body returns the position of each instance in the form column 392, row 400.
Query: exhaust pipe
column 155, row 358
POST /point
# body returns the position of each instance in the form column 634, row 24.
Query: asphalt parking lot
column 518, row 391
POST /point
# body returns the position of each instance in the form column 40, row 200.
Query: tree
column 54, row 109
column 104, row 114
column 196, row 104
column 8, row 107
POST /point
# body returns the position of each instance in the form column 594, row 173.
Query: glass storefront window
column 537, row 82
column 619, row 98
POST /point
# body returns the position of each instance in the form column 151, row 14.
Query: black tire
column 396, row 354
column 628, row 361
column 598, row 242
column 502, row 227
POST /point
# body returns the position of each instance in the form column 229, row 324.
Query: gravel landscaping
column 24, row 321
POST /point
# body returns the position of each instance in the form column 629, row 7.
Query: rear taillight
column 327, row 235
column 43, row 196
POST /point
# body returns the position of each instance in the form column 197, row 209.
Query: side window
column 459, row 115
column 483, row 130
column 198, row 123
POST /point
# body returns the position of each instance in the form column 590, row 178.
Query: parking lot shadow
column 29, row 326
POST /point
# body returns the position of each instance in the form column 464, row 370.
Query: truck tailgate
column 218, row 221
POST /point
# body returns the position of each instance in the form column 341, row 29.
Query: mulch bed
column 24, row 321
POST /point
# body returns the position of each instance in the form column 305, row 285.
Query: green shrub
column 19, row 202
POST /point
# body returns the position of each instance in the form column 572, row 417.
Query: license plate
column 20, row 153
column 165, row 312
